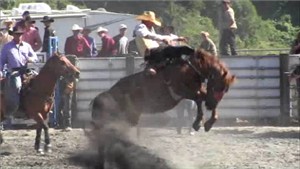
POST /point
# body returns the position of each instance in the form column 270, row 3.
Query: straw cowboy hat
column 47, row 19
column 9, row 20
column 149, row 16
column 101, row 29
column 76, row 27
column 204, row 33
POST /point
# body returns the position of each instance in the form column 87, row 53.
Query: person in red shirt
column 108, row 44
column 31, row 34
column 77, row 44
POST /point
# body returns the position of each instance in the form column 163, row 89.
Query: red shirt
column 78, row 46
column 108, row 47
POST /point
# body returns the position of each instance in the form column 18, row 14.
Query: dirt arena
column 223, row 147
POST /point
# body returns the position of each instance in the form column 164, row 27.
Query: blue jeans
column 13, row 87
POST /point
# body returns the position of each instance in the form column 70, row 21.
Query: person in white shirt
column 228, row 29
column 121, row 41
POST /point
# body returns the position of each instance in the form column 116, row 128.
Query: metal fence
column 261, row 91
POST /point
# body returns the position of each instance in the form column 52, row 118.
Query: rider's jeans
column 12, row 90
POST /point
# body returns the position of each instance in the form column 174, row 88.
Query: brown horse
column 37, row 96
column 180, row 79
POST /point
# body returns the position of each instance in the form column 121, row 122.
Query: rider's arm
column 32, row 57
column 142, row 31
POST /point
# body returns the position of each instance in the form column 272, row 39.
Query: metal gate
column 258, row 92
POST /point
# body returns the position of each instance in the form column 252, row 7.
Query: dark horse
column 181, row 78
column 37, row 94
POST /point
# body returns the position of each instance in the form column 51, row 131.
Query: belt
column 19, row 68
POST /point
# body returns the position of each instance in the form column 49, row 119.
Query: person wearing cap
column 146, row 38
column 121, row 41
column 4, row 33
column 15, row 54
column 77, row 44
column 108, row 43
column 207, row 44
column 31, row 34
column 228, row 28
column 49, row 32
column 92, row 42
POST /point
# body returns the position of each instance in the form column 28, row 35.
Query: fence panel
column 256, row 94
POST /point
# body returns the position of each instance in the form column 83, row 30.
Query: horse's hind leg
column 209, row 123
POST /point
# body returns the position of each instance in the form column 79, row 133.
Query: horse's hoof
column 47, row 148
column 192, row 133
column 207, row 127
column 196, row 127
column 40, row 151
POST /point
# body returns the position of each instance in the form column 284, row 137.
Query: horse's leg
column 209, row 123
column 199, row 117
column 47, row 146
column 38, row 138
column 1, row 138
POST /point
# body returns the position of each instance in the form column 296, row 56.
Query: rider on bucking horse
column 146, row 38
column 15, row 54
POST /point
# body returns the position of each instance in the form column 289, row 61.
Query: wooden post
column 284, row 90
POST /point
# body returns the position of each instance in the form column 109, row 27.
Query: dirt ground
column 223, row 147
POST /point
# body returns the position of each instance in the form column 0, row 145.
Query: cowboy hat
column 47, row 19
column 101, row 29
column 123, row 26
column 8, row 20
column 16, row 30
column 204, row 33
column 76, row 27
column 149, row 16
column 29, row 19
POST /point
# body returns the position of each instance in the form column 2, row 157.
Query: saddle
column 27, row 79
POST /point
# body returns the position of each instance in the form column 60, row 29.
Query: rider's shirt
column 16, row 55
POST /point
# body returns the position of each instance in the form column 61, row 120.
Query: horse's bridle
column 187, row 59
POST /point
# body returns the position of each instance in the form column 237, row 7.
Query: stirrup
column 151, row 71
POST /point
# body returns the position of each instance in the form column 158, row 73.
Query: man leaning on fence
column 66, row 93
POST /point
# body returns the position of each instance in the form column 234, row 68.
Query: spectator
column 207, row 44
column 121, row 41
column 21, row 23
column 86, row 31
column 295, row 48
column 4, row 33
column 66, row 88
column 31, row 34
column 169, row 30
column 77, row 44
column 228, row 29
column 16, row 54
column 49, row 32
column 108, row 43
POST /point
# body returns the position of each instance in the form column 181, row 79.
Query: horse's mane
column 208, row 61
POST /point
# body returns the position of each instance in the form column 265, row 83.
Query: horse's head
column 62, row 66
column 218, row 77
